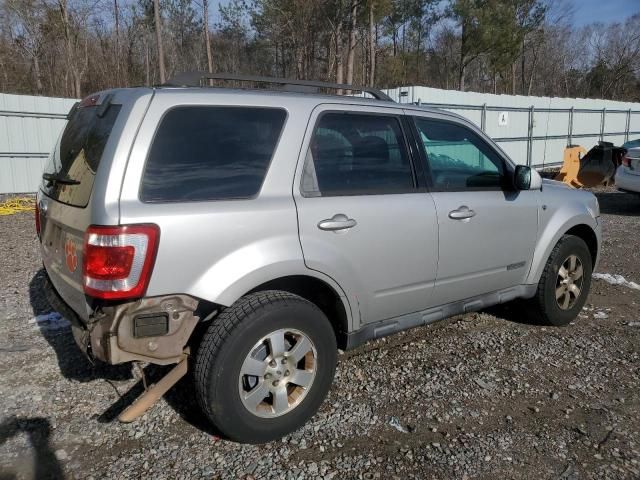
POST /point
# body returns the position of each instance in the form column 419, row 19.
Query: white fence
column 29, row 128
column 532, row 130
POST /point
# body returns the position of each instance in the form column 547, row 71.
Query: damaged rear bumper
column 154, row 330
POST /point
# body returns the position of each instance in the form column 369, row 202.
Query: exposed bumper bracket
column 155, row 392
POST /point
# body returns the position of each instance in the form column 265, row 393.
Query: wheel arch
column 582, row 226
column 588, row 235
column 320, row 293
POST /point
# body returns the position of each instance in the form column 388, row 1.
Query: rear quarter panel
column 220, row 250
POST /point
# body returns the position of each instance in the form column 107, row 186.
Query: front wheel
column 264, row 366
column 565, row 282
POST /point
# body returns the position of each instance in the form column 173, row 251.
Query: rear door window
column 357, row 154
column 211, row 153
column 77, row 155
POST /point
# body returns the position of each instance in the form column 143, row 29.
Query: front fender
column 560, row 222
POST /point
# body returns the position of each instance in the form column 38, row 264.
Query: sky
column 606, row 11
column 585, row 11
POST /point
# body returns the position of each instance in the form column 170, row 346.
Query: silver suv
column 247, row 234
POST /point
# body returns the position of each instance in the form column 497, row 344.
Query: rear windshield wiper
column 50, row 177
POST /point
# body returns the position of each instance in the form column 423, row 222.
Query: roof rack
column 199, row 79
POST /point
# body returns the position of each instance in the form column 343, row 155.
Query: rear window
column 78, row 153
column 211, row 153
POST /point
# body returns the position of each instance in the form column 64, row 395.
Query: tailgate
column 62, row 237
column 66, row 192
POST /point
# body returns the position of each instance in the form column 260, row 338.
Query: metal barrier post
column 530, row 135
column 570, row 132
column 483, row 117
column 604, row 112
column 626, row 130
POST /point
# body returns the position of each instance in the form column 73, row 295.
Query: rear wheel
column 565, row 282
column 264, row 366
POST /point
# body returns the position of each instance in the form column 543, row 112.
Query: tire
column 560, row 311
column 253, row 327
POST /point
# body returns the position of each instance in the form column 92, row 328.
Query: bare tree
column 207, row 40
column 117, row 39
column 27, row 33
column 76, row 43
column 372, row 44
column 67, row 47
column 158, row 28
column 351, row 51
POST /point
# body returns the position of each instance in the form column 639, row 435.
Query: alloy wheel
column 569, row 282
column 277, row 373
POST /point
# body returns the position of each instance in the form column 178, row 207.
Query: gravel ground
column 478, row 396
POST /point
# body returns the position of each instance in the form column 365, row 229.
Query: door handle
column 462, row 213
column 338, row 222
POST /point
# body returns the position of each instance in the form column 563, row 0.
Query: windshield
column 77, row 154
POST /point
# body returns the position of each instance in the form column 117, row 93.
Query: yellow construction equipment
column 589, row 169
column 571, row 166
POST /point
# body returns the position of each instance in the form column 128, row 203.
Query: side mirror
column 527, row 178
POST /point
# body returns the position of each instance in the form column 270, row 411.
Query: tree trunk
column 513, row 78
column 339, row 62
column 351, row 53
column 372, row 46
column 461, row 75
column 5, row 76
column 147, row 61
column 531, row 74
column 395, row 42
column 522, row 64
column 117, row 42
column 205, row 6
column 77, row 90
column 419, row 44
column 299, row 63
column 36, row 73
column 71, row 66
column 463, row 66
column 156, row 15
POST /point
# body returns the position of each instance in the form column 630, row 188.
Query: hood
column 547, row 182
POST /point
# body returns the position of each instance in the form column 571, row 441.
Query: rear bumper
column 120, row 333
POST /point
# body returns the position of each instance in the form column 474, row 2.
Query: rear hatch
column 66, row 193
column 632, row 161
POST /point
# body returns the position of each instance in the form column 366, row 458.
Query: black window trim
column 415, row 162
column 220, row 199
column 425, row 158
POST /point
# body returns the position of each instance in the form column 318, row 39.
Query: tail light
column 118, row 260
column 626, row 161
column 37, row 219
